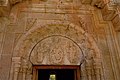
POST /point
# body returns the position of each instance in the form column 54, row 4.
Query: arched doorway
column 56, row 57
column 56, row 44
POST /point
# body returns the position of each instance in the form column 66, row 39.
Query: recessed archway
column 53, row 36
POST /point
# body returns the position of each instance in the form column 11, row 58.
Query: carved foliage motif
column 40, row 54
column 54, row 50
column 72, row 53
column 57, row 44
column 60, row 44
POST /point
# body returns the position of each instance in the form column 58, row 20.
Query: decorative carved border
column 90, row 63
column 110, row 10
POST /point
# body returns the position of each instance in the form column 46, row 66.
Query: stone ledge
column 108, row 9
column 111, row 12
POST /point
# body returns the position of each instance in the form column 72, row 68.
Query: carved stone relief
column 59, row 44
column 56, row 50
column 63, row 51
column 2, row 2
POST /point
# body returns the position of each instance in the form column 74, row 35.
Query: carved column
column 89, row 69
column 97, row 68
column 25, row 67
column 16, row 67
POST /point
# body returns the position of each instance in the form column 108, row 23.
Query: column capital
column 16, row 59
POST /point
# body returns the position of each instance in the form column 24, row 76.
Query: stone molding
column 91, row 61
column 111, row 12
column 110, row 9
column 16, row 61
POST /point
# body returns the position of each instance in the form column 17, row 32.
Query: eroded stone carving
column 2, row 2
column 40, row 54
column 98, row 3
column 58, row 44
column 72, row 53
column 54, row 50
column 56, row 55
column 16, row 67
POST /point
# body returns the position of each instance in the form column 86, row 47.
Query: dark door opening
column 56, row 74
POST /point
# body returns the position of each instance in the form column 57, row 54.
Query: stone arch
column 63, row 46
column 91, row 59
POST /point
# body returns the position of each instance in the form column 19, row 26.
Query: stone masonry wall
column 27, row 15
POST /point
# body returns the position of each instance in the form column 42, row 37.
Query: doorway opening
column 56, row 73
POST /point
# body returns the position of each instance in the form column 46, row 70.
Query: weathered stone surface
column 60, row 32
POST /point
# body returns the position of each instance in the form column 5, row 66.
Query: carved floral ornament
column 35, row 43
column 55, row 44
column 56, row 49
